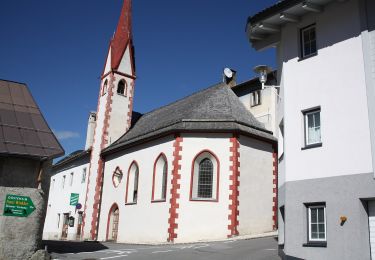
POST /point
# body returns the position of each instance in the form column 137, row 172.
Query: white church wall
column 256, row 186
column 145, row 221
column 203, row 220
column 59, row 199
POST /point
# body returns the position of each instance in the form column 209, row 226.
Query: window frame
column 84, row 174
column 125, row 88
column 105, row 87
column 164, row 183
column 63, row 181
column 302, row 42
column 195, row 175
column 71, row 180
column 310, row 239
column 315, row 242
column 135, row 183
column 258, row 94
column 305, row 114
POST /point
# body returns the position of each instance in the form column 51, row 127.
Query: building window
column 308, row 41
column 121, row 87
column 205, row 177
column 132, row 184
column 312, row 127
column 317, row 223
column 281, row 140
column 71, row 179
column 63, row 181
column 105, row 87
column 255, row 98
column 159, row 185
column 83, row 180
column 117, row 177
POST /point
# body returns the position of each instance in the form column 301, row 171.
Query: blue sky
column 58, row 48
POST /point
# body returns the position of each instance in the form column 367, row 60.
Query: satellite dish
column 228, row 73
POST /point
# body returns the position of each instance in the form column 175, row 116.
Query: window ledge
column 130, row 203
column 307, row 57
column 315, row 244
column 203, row 200
column 123, row 95
column 157, row 201
column 310, row 146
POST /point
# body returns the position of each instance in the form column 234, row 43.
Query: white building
column 200, row 168
column 326, row 64
column 68, row 182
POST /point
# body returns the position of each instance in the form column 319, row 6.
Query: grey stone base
column 344, row 196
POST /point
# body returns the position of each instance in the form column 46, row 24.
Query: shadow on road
column 62, row 247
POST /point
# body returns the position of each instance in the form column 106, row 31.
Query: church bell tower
column 114, row 112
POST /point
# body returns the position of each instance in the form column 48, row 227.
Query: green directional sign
column 74, row 199
column 18, row 206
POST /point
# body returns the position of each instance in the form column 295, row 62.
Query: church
column 201, row 168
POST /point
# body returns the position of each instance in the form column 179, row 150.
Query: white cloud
column 63, row 135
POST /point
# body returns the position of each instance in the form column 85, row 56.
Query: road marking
column 201, row 246
column 165, row 251
column 110, row 257
column 230, row 241
column 270, row 249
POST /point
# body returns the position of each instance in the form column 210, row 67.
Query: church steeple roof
column 123, row 36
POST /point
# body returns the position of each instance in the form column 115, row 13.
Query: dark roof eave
column 73, row 158
column 32, row 157
column 272, row 10
column 240, row 127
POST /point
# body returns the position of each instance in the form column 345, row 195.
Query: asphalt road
column 252, row 249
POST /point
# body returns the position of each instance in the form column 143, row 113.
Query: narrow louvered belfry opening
column 205, row 179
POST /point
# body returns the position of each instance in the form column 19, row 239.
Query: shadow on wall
column 62, row 247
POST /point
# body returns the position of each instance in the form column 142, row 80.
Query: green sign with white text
column 74, row 199
column 18, row 206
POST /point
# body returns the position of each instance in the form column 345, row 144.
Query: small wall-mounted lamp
column 343, row 219
column 262, row 71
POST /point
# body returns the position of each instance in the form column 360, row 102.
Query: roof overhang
column 263, row 29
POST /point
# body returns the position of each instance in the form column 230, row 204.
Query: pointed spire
column 122, row 36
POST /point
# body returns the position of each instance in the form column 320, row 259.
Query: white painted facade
column 336, row 174
column 266, row 111
column 63, row 184
column 341, row 82
column 147, row 221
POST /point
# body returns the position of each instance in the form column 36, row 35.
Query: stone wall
column 20, row 237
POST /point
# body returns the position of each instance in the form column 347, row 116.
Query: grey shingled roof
column 23, row 129
column 216, row 109
column 72, row 157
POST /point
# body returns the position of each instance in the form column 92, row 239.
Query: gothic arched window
column 121, row 87
column 159, row 182
column 205, row 177
column 132, row 184
column 105, row 87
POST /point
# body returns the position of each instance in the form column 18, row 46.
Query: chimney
column 90, row 130
column 229, row 77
